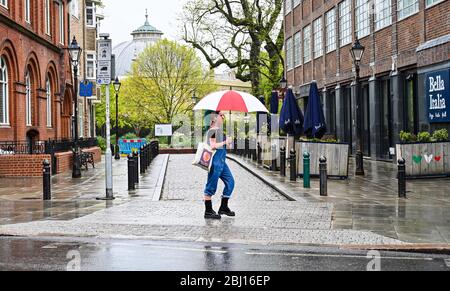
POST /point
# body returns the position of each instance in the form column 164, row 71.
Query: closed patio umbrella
column 314, row 126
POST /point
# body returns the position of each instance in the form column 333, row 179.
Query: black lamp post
column 117, row 86
column 75, row 53
column 283, row 86
column 357, row 52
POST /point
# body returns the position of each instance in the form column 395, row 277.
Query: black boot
column 224, row 208
column 209, row 212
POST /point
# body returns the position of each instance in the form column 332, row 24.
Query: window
column 362, row 18
column 47, row 17
column 297, row 49
column 406, row 8
column 287, row 6
column 306, row 44
column 289, row 54
column 27, row 11
column 432, row 2
column 297, row 2
column 28, row 106
column 90, row 14
column 48, row 94
column 4, row 3
column 382, row 13
column 4, row 114
column 330, row 23
column 80, row 118
column 90, row 66
column 74, row 9
column 61, row 22
column 345, row 23
column 317, row 31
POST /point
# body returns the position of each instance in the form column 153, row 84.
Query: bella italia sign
column 437, row 90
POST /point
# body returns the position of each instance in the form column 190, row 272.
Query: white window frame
column 61, row 23
column 4, row 3
column 75, row 9
column 297, row 49
column 362, row 18
column 28, row 100
column 287, row 6
column 4, row 118
column 382, row 14
column 91, row 6
column 48, row 94
column 289, row 54
column 27, row 10
column 430, row 3
column 318, row 38
column 306, row 44
column 406, row 8
column 48, row 27
column 345, row 23
column 330, row 30
column 91, row 57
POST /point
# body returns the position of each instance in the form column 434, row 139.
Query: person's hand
column 229, row 141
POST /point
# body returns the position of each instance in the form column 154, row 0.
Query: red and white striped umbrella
column 231, row 101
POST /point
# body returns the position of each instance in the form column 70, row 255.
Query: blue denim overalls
column 219, row 170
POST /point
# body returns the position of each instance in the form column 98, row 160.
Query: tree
column 161, row 84
column 235, row 33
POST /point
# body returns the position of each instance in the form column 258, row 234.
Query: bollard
column 47, row 186
column 258, row 145
column 283, row 161
column 273, row 167
column 136, row 167
column 131, row 171
column 306, row 170
column 142, row 161
column 255, row 151
column 235, row 143
column 293, row 165
column 323, row 176
column 401, row 178
column 247, row 145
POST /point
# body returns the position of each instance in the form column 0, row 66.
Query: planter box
column 337, row 155
column 425, row 159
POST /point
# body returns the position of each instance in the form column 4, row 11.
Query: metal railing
column 22, row 147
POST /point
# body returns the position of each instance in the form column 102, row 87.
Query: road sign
column 104, row 50
column 104, row 72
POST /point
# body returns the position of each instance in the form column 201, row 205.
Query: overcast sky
column 124, row 16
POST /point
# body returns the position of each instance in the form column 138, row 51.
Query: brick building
column 406, row 42
column 36, row 88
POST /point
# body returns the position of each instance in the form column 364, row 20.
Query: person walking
column 219, row 169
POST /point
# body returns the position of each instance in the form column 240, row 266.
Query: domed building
column 127, row 52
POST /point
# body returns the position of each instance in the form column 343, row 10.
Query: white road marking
column 294, row 255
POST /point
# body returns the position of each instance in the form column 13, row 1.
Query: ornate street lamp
column 283, row 86
column 75, row 53
column 357, row 52
column 117, row 86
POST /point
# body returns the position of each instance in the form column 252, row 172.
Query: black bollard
column 323, row 176
column 131, row 172
column 259, row 149
column 401, row 178
column 254, row 151
column 283, row 161
column 47, row 186
column 235, row 143
column 136, row 167
column 273, row 152
column 293, row 163
column 142, row 161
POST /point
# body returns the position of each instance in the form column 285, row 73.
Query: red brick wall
column 22, row 165
column 437, row 20
column 64, row 160
column 408, row 37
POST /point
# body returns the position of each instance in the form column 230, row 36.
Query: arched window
column 4, row 114
column 48, row 93
column 28, row 107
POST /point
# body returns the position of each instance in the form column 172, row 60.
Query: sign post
column 104, row 78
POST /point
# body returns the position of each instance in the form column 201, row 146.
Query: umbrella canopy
column 315, row 126
column 274, row 101
column 291, row 117
column 231, row 101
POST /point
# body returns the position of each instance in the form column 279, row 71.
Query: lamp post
column 117, row 86
column 283, row 86
column 357, row 51
column 75, row 52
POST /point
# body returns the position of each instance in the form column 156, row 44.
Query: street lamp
column 283, row 86
column 117, row 86
column 75, row 53
column 357, row 51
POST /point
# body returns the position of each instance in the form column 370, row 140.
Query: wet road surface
column 93, row 254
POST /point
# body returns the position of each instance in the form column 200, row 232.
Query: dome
column 126, row 52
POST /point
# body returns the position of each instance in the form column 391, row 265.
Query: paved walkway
column 371, row 202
